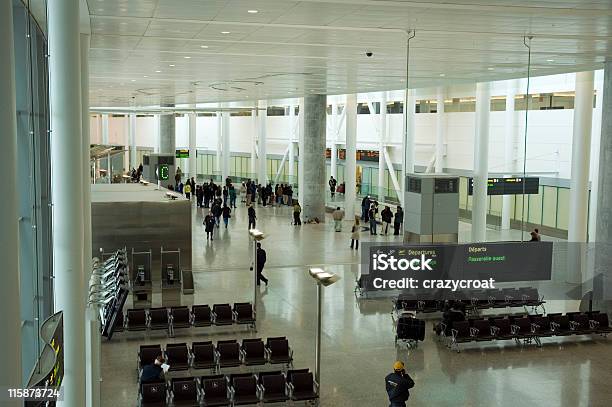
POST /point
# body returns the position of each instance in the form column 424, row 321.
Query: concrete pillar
column 594, row 170
column 253, row 173
column 193, row 171
column 382, row 146
column 481, row 162
column 350, row 168
column 219, row 142
column 10, row 335
column 67, row 190
column 292, row 128
column 262, row 174
column 603, row 254
column 440, row 130
column 132, row 141
column 581, row 155
column 156, row 131
column 167, row 133
column 334, row 141
column 312, row 157
column 225, row 169
column 105, row 136
column 509, row 156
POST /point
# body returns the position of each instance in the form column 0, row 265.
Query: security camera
column 369, row 54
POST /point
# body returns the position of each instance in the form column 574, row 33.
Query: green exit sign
column 163, row 172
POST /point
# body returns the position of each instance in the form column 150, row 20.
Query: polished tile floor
column 358, row 341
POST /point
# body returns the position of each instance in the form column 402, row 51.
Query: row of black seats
column 232, row 390
column 226, row 353
column 183, row 317
column 474, row 300
column 526, row 328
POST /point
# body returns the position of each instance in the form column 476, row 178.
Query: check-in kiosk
column 431, row 213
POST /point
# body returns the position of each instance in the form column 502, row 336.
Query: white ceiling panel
column 186, row 51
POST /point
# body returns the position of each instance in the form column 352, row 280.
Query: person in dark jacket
column 199, row 195
column 252, row 217
column 365, row 207
column 217, row 211
column 153, row 372
column 226, row 214
column 398, row 220
column 261, row 261
column 225, row 196
column 386, row 216
column 232, row 196
column 209, row 225
column 398, row 384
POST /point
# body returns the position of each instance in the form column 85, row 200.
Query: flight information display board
column 367, row 155
column 509, row 186
column 182, row 153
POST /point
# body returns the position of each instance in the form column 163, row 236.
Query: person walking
column 386, row 216
column 372, row 218
column 398, row 221
column 187, row 190
column 232, row 196
column 227, row 213
column 338, row 215
column 217, row 211
column 209, row 225
column 225, row 195
column 199, row 195
column 332, row 187
column 355, row 233
column 398, row 384
column 242, row 193
column 365, row 207
column 260, row 262
column 252, row 217
column 297, row 209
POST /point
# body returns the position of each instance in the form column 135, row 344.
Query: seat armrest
column 454, row 333
column 420, row 305
column 235, row 315
column 242, row 355
column 593, row 324
column 534, row 328
column 508, row 298
column 213, row 316
column 474, row 332
column 514, row 329
column 260, row 390
column 574, row 325
column 554, row 326
column 494, row 330
column 442, row 328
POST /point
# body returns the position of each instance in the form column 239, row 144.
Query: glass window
column 563, row 208
column 535, row 208
column 549, row 214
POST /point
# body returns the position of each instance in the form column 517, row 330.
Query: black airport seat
column 273, row 388
column 177, row 356
column 214, row 391
column 185, row 392
column 201, row 315
column 158, row 318
column 406, row 304
column 460, row 331
column 278, row 351
column 261, row 375
column 243, row 313
column 222, row 314
column 228, row 353
column 203, row 355
column 600, row 323
column 501, row 328
column 244, row 390
column 136, row 320
column 541, row 326
column 521, row 328
column 303, row 387
column 147, row 354
column 153, row 395
column 119, row 324
column 253, row 352
column 179, row 317
column 560, row 324
column 481, row 330
column 292, row 372
column 581, row 324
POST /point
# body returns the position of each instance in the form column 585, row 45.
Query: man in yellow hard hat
column 398, row 383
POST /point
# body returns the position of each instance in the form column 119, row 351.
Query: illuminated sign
column 182, row 153
column 163, row 172
column 509, row 186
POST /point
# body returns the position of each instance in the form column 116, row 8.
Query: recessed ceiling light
column 133, row 80
column 123, row 10
column 203, row 46
column 253, row 11
column 442, row 75
column 225, row 32
column 491, row 68
column 144, row 76
column 100, row 10
column 550, row 60
column 187, row 57
column 171, row 65
column 158, row 71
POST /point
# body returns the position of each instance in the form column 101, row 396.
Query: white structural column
column 312, row 157
column 440, row 130
column 481, row 162
column 10, row 335
column 225, row 169
column 509, row 156
column 603, row 252
column 192, row 117
column 334, row 141
column 350, row 168
column 132, row 140
column 66, row 144
column 262, row 174
column 382, row 146
column 253, row 143
column 219, row 141
column 92, row 327
column 581, row 155
column 105, row 136
column 594, row 170
column 292, row 128
column 156, row 136
column 408, row 140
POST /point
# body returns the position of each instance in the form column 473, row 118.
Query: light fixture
column 550, row 60
column 442, row 75
column 323, row 277
column 158, row 71
column 144, row 76
column 225, row 32
column 133, row 80
column 252, row 11
column 203, row 46
column 491, row 68
column 187, row 57
column 171, row 65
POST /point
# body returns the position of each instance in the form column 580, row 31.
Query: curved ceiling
column 147, row 52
